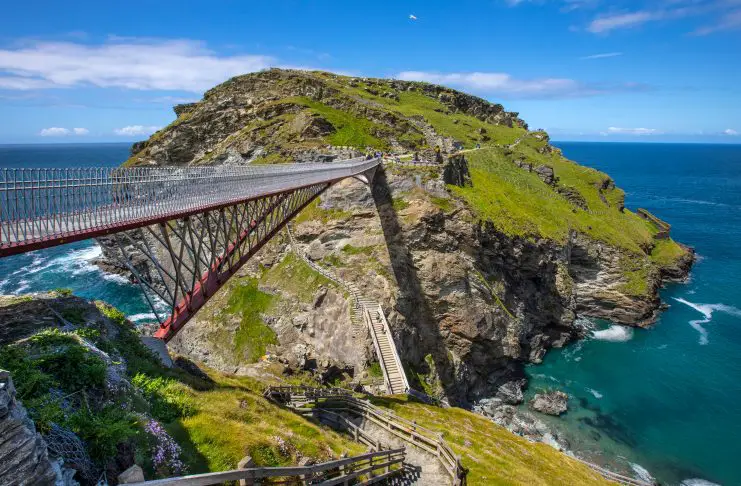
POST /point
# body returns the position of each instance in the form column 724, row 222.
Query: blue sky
column 663, row 70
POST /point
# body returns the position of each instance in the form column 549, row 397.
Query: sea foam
column 614, row 333
column 707, row 311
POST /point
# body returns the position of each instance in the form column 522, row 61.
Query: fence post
column 344, row 469
column 246, row 463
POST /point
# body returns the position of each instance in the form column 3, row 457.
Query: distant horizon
column 553, row 140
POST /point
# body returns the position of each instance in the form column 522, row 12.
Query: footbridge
column 181, row 231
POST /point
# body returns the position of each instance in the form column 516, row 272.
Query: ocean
column 69, row 266
column 666, row 399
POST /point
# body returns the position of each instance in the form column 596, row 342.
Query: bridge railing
column 42, row 204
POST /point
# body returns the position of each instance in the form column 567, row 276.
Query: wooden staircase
column 366, row 316
column 383, row 342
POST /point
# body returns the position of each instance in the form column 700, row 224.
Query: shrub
column 49, row 338
column 103, row 430
column 29, row 380
column 74, row 368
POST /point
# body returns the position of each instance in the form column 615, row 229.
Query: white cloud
column 632, row 131
column 607, row 23
column 412, row 17
column 54, row 132
column 602, row 56
column 135, row 130
column 505, row 85
column 145, row 64
column 62, row 132
column 730, row 131
column 729, row 21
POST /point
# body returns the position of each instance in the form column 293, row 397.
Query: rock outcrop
column 23, row 455
column 551, row 403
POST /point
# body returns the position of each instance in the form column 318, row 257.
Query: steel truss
column 191, row 257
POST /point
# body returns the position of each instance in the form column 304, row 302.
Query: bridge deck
column 47, row 207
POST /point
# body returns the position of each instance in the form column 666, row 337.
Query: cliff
column 480, row 266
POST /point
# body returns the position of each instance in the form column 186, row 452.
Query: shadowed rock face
column 23, row 456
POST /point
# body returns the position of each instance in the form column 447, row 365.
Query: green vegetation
column 313, row 212
column 294, row 276
column 667, row 252
column 400, row 204
column 444, row 203
column 374, row 370
column 168, row 398
column 459, row 126
column 636, row 274
column 519, row 203
column 492, row 454
column 351, row 130
column 253, row 336
column 216, row 420
column 354, row 250
column 233, row 420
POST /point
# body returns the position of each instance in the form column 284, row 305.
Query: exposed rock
column 184, row 108
column 546, row 174
column 573, row 196
column 23, row 455
column 511, row 392
column 456, row 171
column 134, row 474
column 551, row 403
column 662, row 226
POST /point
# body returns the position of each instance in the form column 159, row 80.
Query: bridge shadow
column 422, row 334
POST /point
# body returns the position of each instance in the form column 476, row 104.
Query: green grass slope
column 492, row 454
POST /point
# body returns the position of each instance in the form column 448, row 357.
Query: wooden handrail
column 406, row 430
column 369, row 322
column 390, row 457
column 397, row 360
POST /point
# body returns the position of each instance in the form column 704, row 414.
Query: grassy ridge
column 521, row 204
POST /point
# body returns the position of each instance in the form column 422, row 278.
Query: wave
column 23, row 285
column 707, row 311
column 114, row 277
column 615, row 333
column 642, row 473
column 595, row 393
column 149, row 316
column 697, row 482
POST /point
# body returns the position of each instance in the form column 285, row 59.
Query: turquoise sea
column 667, row 399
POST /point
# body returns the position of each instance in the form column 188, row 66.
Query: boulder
column 546, row 174
column 551, row 403
column 134, row 474
column 512, row 392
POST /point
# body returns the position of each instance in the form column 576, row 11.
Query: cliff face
column 480, row 266
column 23, row 456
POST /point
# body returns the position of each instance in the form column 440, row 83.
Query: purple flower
column 165, row 451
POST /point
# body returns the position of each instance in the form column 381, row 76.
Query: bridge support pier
column 159, row 348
